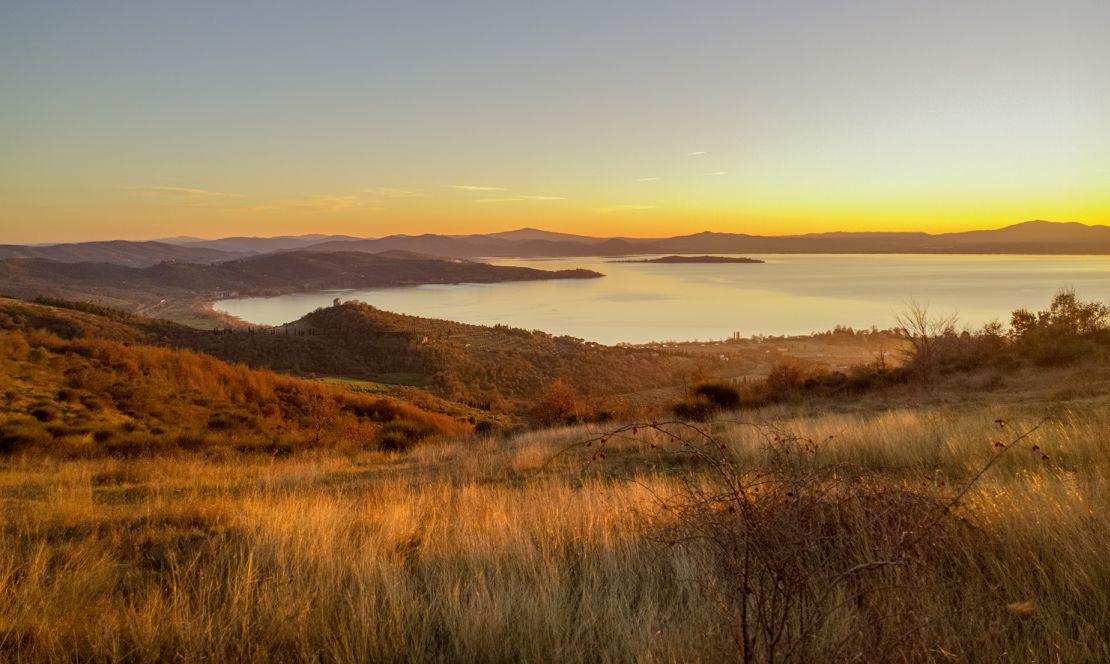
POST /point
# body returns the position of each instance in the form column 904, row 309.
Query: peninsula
column 692, row 259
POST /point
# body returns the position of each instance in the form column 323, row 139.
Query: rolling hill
column 445, row 366
column 91, row 383
column 489, row 367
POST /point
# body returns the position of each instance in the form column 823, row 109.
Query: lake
column 789, row 294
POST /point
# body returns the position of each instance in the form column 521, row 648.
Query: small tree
column 558, row 405
column 923, row 330
column 785, row 378
column 320, row 412
column 1066, row 317
column 1062, row 333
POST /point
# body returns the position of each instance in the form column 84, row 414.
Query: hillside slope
column 101, row 390
column 488, row 366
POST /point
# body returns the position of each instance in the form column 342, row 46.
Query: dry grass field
column 523, row 549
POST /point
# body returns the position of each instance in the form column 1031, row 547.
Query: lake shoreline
column 788, row 295
column 695, row 260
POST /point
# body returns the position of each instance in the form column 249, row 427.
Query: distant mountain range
column 257, row 245
column 478, row 246
column 1031, row 237
column 118, row 252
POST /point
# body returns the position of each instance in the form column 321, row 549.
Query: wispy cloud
column 648, row 179
column 474, row 187
column 204, row 198
column 391, row 192
column 180, row 192
column 624, row 208
column 319, row 203
column 696, row 154
column 509, row 199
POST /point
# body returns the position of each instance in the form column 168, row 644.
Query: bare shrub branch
column 792, row 546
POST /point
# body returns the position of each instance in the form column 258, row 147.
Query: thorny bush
column 809, row 561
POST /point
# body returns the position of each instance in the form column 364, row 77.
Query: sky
column 139, row 120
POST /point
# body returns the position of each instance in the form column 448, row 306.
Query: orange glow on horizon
column 131, row 222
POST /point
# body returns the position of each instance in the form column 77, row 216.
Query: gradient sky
column 146, row 119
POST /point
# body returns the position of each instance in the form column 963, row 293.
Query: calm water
column 789, row 294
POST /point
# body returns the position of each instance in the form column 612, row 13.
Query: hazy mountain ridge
column 529, row 233
column 1031, row 237
column 260, row 245
column 119, row 252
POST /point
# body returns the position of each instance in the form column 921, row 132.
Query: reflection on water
column 789, row 294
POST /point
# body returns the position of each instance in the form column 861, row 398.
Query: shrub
column 138, row 446
column 1069, row 330
column 601, row 416
column 559, row 405
column 798, row 544
column 402, row 435
column 44, row 412
column 1047, row 350
column 785, row 379
column 21, row 434
column 1066, row 316
column 696, row 408
column 279, row 448
column 485, row 428
column 192, row 442
column 220, row 421
column 722, row 395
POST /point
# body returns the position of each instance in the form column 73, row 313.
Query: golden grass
column 95, row 397
column 501, row 550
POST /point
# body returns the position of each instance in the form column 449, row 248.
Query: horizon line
column 325, row 237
